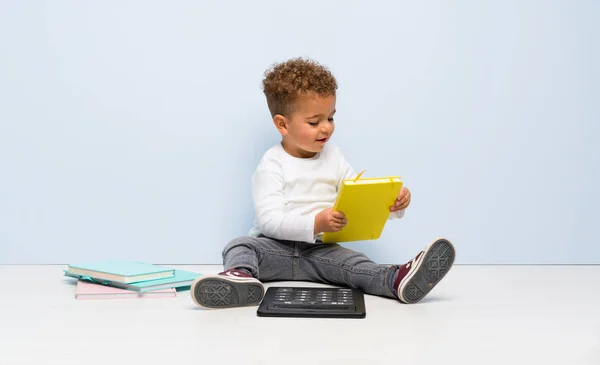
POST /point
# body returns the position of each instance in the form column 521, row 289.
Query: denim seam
column 342, row 266
column 279, row 253
column 387, row 272
column 295, row 260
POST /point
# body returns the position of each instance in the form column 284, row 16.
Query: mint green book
column 181, row 279
column 121, row 271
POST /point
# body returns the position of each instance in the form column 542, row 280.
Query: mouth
column 322, row 140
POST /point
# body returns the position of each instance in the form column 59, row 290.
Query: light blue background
column 130, row 129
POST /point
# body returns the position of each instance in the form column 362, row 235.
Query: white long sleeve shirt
column 288, row 192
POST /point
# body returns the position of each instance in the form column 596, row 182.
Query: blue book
column 121, row 271
column 181, row 279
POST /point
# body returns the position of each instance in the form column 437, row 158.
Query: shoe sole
column 433, row 265
column 214, row 291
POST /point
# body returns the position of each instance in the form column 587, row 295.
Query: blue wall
column 131, row 129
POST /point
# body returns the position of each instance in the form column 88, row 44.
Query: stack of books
column 126, row 279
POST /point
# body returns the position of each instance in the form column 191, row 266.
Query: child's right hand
column 329, row 220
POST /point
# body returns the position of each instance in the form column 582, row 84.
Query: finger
column 337, row 214
column 338, row 219
column 340, row 223
column 337, row 225
column 401, row 196
column 405, row 198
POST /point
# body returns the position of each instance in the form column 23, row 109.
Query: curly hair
column 285, row 82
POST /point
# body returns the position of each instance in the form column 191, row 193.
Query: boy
column 293, row 189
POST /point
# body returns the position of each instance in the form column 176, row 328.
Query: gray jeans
column 275, row 260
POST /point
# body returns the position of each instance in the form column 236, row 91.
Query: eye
column 330, row 119
column 314, row 124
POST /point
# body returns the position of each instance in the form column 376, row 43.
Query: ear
column 281, row 123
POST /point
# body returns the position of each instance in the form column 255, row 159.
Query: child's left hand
column 403, row 200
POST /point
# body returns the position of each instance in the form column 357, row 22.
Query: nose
column 326, row 129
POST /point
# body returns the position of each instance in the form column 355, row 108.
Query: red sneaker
column 231, row 288
column 417, row 277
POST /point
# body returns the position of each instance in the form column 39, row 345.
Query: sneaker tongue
column 404, row 269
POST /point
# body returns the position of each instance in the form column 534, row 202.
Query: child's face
column 309, row 127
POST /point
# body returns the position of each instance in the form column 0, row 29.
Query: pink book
column 87, row 290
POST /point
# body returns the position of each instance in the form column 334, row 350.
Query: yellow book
column 366, row 204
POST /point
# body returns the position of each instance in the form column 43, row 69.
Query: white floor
column 477, row 315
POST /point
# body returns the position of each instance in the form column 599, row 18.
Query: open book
column 366, row 204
